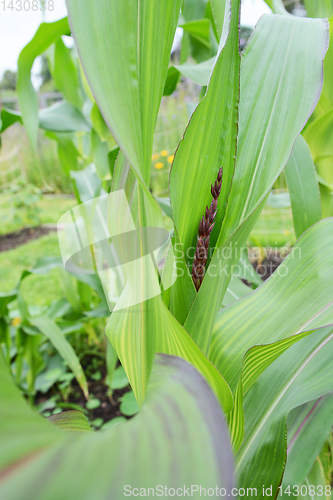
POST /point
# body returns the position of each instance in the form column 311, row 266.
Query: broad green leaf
column 277, row 6
column 22, row 431
column 8, row 118
column 128, row 405
column 235, row 291
column 133, row 41
column 148, row 327
column 328, row 66
column 308, row 426
column 199, row 30
column 319, row 8
column 101, row 127
column 164, row 203
column 52, row 331
column 149, row 450
column 137, row 333
column 87, row 183
column 315, row 486
column 46, row 264
column 219, row 11
column 63, row 117
column 46, row 34
column 199, row 73
column 274, row 106
column 71, row 421
column 209, row 142
column 252, row 332
column 193, row 9
column 203, row 43
column 319, row 136
column 65, row 74
column 304, row 372
column 120, row 379
column 326, row 98
column 325, row 458
column 270, row 83
column 303, row 187
column 67, row 150
column 111, row 362
column 171, row 81
column 100, row 153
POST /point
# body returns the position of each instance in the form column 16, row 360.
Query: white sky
column 17, row 28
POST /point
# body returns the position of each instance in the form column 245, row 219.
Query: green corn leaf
column 63, row 117
column 302, row 373
column 87, row 183
column 151, row 449
column 52, row 331
column 235, row 291
column 137, row 333
column 277, row 6
column 319, row 136
column 67, row 150
column 133, row 41
column 266, row 320
column 303, row 187
column 193, row 9
column 315, row 485
column 8, row 118
column 148, row 327
column 319, row 8
column 309, row 426
column 198, row 29
column 46, row 34
column 71, row 421
column 65, row 74
column 326, row 98
column 100, row 153
column 268, row 126
column 219, row 9
column 199, row 73
column 209, row 142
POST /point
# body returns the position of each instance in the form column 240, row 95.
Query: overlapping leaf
column 266, row 320
column 209, row 143
column 46, row 34
column 179, row 438
column 319, row 136
column 309, row 426
column 52, row 331
column 303, row 187
column 279, row 90
column 302, row 373
column 125, row 48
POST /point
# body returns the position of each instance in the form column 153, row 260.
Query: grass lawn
column 36, row 289
column 48, row 211
column 273, row 229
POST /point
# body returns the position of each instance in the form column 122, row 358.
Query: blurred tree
column 45, row 72
column 9, row 80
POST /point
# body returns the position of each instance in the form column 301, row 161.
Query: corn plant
column 263, row 355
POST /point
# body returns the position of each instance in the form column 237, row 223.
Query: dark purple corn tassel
column 206, row 226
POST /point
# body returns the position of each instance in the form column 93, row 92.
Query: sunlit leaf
column 149, row 450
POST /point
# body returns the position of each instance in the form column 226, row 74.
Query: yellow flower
column 159, row 165
column 155, row 156
column 16, row 321
column 170, row 158
column 286, row 232
column 164, row 152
